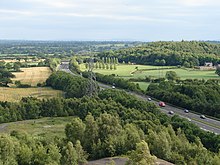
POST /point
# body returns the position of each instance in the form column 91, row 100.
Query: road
column 207, row 124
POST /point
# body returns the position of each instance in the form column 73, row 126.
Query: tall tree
column 141, row 156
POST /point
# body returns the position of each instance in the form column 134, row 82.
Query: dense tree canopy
column 185, row 53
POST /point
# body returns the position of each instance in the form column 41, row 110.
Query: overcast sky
column 144, row 20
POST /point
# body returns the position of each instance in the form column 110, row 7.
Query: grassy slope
column 49, row 127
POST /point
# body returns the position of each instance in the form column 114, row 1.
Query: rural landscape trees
column 113, row 122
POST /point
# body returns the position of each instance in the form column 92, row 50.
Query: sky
column 101, row 20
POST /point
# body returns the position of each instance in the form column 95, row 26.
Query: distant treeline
column 185, row 53
column 60, row 48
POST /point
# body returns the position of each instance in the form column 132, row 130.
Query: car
column 149, row 99
column 202, row 117
column 186, row 110
column 113, row 87
column 162, row 104
column 171, row 112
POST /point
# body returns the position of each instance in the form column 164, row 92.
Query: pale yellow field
column 15, row 94
column 33, row 75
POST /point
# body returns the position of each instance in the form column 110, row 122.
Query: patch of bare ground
column 121, row 161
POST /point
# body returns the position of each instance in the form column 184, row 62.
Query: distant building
column 208, row 64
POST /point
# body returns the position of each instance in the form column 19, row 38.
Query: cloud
column 108, row 15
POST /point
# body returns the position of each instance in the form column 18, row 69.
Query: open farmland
column 123, row 70
column 128, row 71
column 33, row 75
column 182, row 73
column 15, row 94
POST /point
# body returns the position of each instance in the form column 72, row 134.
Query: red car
column 162, row 104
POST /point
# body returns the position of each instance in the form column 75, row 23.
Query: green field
column 122, row 70
column 45, row 127
column 143, row 85
column 128, row 71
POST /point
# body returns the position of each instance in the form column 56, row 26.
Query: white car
column 113, row 87
column 149, row 99
column 171, row 112
column 186, row 110
column 202, row 117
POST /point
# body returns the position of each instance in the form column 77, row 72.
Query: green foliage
column 53, row 63
column 185, row 53
column 74, row 65
column 141, row 156
column 5, row 77
column 171, row 75
column 73, row 86
column 75, row 130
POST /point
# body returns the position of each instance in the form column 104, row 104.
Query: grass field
column 49, row 127
column 143, row 85
column 125, row 71
column 32, row 75
column 15, row 94
column 122, row 70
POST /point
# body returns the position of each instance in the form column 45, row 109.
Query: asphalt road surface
column 207, row 124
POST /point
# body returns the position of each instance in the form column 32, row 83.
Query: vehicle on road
column 202, row 117
column 186, row 110
column 113, row 87
column 149, row 99
column 162, row 104
column 171, row 112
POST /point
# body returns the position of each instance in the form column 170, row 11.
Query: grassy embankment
column 45, row 127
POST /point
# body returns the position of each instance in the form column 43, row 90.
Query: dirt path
column 121, row 161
